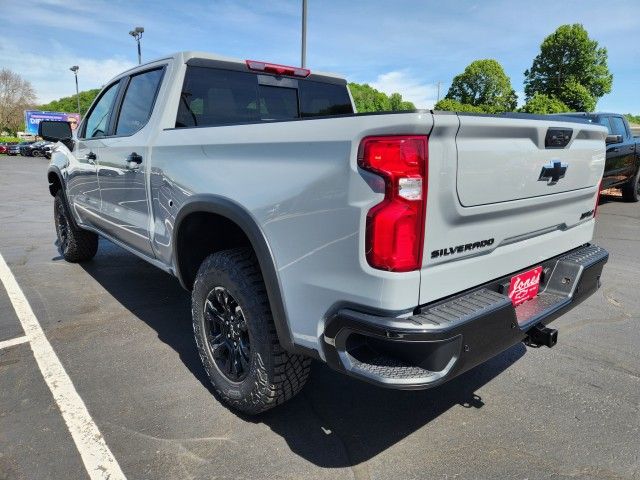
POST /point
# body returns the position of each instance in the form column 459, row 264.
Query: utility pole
column 75, row 69
column 137, row 34
column 438, row 92
column 303, row 62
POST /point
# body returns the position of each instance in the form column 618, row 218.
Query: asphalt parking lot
column 122, row 331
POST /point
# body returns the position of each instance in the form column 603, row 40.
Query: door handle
column 615, row 149
column 134, row 160
column 91, row 157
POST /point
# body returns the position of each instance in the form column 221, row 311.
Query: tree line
column 635, row 119
column 569, row 74
column 70, row 104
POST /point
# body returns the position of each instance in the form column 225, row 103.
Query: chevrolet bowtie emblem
column 553, row 171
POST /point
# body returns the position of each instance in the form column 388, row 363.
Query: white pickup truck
column 400, row 248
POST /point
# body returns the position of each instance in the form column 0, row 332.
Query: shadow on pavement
column 336, row 421
column 366, row 419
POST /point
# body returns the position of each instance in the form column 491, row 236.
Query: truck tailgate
column 500, row 161
column 489, row 213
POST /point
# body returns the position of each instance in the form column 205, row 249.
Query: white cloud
column 49, row 72
column 423, row 95
column 53, row 14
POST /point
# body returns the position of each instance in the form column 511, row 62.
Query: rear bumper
column 446, row 338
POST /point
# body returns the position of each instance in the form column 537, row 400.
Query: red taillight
column 277, row 69
column 395, row 227
column 595, row 210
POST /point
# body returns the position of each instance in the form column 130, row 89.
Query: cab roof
column 185, row 56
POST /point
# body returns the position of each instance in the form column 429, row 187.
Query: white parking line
column 13, row 341
column 96, row 456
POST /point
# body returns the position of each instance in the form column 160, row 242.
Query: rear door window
column 138, row 101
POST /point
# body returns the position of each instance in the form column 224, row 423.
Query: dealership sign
column 33, row 117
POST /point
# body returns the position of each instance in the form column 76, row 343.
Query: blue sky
column 394, row 45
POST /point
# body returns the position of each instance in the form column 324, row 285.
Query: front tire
column 75, row 244
column 236, row 336
column 631, row 190
column 35, row 153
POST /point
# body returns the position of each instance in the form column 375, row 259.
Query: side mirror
column 55, row 131
column 613, row 139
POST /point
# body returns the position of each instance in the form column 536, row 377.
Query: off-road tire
column 631, row 190
column 273, row 375
column 75, row 244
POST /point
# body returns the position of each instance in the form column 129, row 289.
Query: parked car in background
column 14, row 149
column 41, row 149
column 622, row 167
column 24, row 147
column 32, row 150
column 36, row 149
column 3, row 147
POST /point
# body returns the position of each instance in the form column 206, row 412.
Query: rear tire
column 631, row 190
column 35, row 153
column 75, row 244
column 236, row 336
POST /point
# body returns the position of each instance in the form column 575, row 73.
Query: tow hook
column 540, row 335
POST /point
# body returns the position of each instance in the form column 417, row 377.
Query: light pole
column 137, row 34
column 75, row 69
column 304, row 34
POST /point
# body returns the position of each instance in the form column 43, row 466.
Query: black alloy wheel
column 227, row 334
column 62, row 227
column 75, row 243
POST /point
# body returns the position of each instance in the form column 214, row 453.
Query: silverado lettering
column 443, row 252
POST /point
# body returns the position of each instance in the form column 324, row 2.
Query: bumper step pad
column 461, row 310
column 389, row 367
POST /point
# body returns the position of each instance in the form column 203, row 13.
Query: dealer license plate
column 524, row 286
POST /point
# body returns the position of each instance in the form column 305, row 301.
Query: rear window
column 323, row 99
column 212, row 97
column 604, row 121
column 277, row 103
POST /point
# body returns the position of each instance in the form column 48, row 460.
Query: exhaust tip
column 539, row 335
